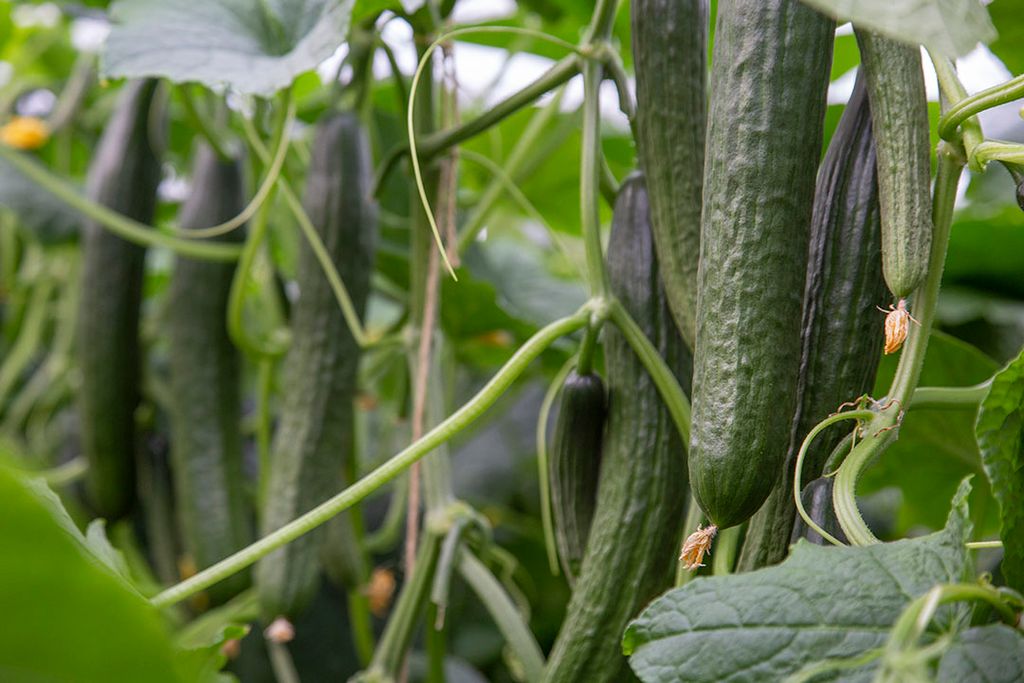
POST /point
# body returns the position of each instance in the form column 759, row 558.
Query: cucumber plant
column 285, row 347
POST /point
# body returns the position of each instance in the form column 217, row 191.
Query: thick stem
column 440, row 434
column 590, row 179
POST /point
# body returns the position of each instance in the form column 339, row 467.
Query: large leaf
column 821, row 603
column 254, row 46
column 1000, row 432
column 70, row 617
column 993, row 653
column 1009, row 46
column 950, row 27
column 38, row 212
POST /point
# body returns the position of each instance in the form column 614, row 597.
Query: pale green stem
column 590, row 179
column 281, row 663
column 547, row 523
column 983, row 545
column 977, row 103
column 440, row 434
column 938, row 398
column 724, row 558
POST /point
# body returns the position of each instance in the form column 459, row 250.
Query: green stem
column 997, row 150
column 724, row 559
column 590, row 179
column 953, row 92
column 265, row 383
column 200, row 123
column 122, row 226
column 938, row 398
column 360, row 622
column 585, row 361
column 440, row 434
column 386, row 536
column 671, row 393
column 982, row 545
column 29, row 338
column 547, row 523
column 507, row 618
column 609, row 183
column 73, row 93
column 65, row 474
column 613, row 64
column 602, row 20
column 977, row 103
column 281, row 663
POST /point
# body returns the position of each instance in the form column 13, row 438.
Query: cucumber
column 817, row 500
column 314, row 437
column 574, row 466
column 205, row 410
column 841, row 346
column 123, row 175
column 768, row 82
column 630, row 555
column 670, row 57
column 899, row 114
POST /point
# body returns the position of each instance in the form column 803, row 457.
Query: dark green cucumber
column 634, row 538
column 206, row 444
column 123, row 176
column 670, row 56
column 841, row 344
column 899, row 114
column 768, row 81
column 574, row 464
column 817, row 500
column 314, row 437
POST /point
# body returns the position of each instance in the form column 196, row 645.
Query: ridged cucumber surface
column 769, row 77
column 574, row 466
column 206, row 442
column 670, row 58
column 841, row 343
column 314, row 436
column 123, row 176
column 899, row 113
column 634, row 538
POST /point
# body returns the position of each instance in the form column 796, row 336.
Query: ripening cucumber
column 769, row 77
column 634, row 537
column 123, row 176
column 206, row 444
column 574, row 465
column 314, row 436
column 899, row 114
column 841, row 346
column 670, row 57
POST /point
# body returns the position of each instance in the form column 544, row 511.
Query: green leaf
column 256, row 47
column 1009, row 46
column 821, row 603
column 99, row 544
column 1000, row 432
column 48, row 220
column 993, row 653
column 69, row 616
column 950, row 27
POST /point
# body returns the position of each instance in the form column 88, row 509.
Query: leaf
column 69, row 617
column 1000, row 432
column 256, row 47
column 1009, row 46
column 950, row 27
column 97, row 541
column 820, row 603
column 993, row 653
column 47, row 219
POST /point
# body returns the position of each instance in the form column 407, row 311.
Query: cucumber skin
column 314, row 437
column 768, row 82
column 123, row 176
column 206, row 443
column 670, row 57
column 574, row 466
column 841, row 343
column 634, row 538
column 899, row 114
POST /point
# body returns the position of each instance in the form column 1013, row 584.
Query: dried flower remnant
column 25, row 132
column 696, row 545
column 380, row 590
column 896, row 324
column 280, row 631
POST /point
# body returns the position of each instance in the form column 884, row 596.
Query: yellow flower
column 696, row 545
column 25, row 132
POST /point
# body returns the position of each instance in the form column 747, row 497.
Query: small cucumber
column 899, row 114
column 630, row 554
column 123, row 176
column 768, row 82
column 206, row 444
column 841, row 346
column 574, row 465
column 670, row 57
column 315, row 434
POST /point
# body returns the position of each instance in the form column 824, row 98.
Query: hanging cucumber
column 768, row 81
column 670, row 57
column 205, row 391
column 840, row 340
column 899, row 114
column 123, row 176
column 315, row 434
column 630, row 554
column 574, row 465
